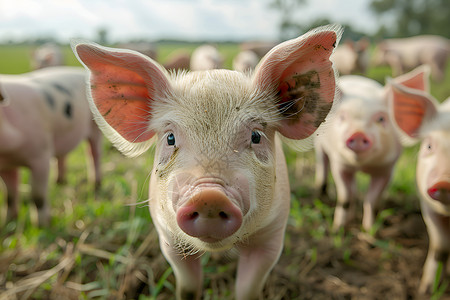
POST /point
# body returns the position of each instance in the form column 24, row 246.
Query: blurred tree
column 288, row 27
column 413, row 17
column 102, row 36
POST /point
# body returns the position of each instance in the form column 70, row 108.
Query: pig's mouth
column 440, row 192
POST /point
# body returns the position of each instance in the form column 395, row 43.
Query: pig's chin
column 187, row 245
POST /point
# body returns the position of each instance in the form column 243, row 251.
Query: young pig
column 361, row 139
column 206, row 57
column 219, row 178
column 43, row 114
column 419, row 116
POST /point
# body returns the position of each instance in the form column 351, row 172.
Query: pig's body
column 206, row 57
column 45, row 114
column 420, row 116
column 404, row 54
column 361, row 139
column 219, row 179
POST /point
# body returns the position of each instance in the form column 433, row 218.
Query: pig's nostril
column 194, row 215
column 223, row 215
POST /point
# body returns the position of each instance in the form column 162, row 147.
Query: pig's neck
column 10, row 137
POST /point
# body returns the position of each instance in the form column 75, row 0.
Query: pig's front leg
column 96, row 143
column 187, row 270
column 438, row 227
column 377, row 185
column 39, row 186
column 256, row 260
column 11, row 180
column 322, row 169
column 61, row 169
column 345, row 190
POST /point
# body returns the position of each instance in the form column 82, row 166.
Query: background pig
column 352, row 57
column 47, row 55
column 206, row 57
column 419, row 116
column 404, row 54
column 43, row 114
column 245, row 61
column 219, row 179
column 178, row 60
column 361, row 139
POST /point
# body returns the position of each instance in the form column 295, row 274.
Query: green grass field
column 103, row 245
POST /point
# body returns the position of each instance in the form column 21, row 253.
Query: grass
column 103, row 246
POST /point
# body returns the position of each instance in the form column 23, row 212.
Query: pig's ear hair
column 301, row 74
column 413, row 111
column 419, row 78
column 122, row 86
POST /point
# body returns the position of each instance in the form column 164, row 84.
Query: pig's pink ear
column 418, row 79
column 123, row 85
column 412, row 109
column 303, row 77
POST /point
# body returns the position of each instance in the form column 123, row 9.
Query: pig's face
column 226, row 150
column 433, row 171
column 363, row 130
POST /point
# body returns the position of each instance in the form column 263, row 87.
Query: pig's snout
column 210, row 216
column 359, row 142
column 440, row 192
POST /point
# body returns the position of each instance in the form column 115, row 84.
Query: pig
column 206, row 57
column 43, row 114
column 421, row 118
column 404, row 54
column 352, row 57
column 361, row 139
column 245, row 61
column 259, row 47
column 178, row 60
column 47, row 55
column 146, row 48
column 219, row 180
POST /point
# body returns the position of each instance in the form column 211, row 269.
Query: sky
column 156, row 19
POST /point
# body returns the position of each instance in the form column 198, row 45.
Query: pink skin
column 219, row 179
column 45, row 114
column 419, row 116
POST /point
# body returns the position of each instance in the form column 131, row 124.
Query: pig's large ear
column 413, row 111
column 419, row 79
column 122, row 86
column 302, row 75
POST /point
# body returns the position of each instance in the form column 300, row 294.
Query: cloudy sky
column 154, row 19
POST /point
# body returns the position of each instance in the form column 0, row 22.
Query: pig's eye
column 256, row 137
column 381, row 119
column 171, row 139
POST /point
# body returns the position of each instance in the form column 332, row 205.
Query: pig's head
column 213, row 179
column 362, row 131
column 419, row 116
